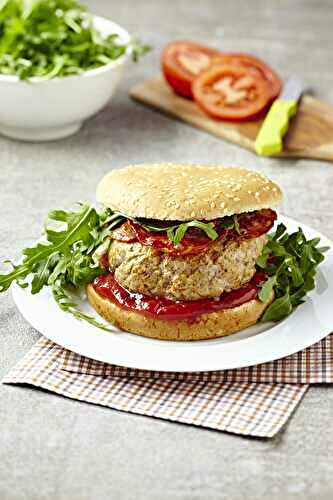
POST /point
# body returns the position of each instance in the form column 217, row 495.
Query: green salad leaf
column 266, row 289
column 64, row 261
column 230, row 222
column 54, row 38
column 291, row 262
column 176, row 232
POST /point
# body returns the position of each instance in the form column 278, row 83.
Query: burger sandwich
column 178, row 252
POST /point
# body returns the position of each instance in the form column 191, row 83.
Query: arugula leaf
column 263, row 258
column 291, row 262
column 177, row 233
column 65, row 261
column 67, row 303
column 42, row 259
column 138, row 50
column 236, row 224
column 206, row 227
column 266, row 289
column 230, row 222
column 279, row 309
column 42, row 273
column 55, row 38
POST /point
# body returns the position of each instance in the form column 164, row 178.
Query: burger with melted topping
column 180, row 263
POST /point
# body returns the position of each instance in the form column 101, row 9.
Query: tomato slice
column 229, row 92
column 256, row 64
column 182, row 61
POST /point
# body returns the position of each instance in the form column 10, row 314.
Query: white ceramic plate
column 311, row 322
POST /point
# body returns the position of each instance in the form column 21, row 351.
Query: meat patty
column 223, row 267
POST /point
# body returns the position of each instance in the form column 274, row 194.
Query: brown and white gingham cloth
column 314, row 365
column 255, row 401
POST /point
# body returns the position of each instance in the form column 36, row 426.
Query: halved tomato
column 182, row 61
column 256, row 64
column 230, row 92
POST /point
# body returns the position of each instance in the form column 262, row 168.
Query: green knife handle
column 274, row 127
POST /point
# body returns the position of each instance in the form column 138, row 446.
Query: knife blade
column 269, row 139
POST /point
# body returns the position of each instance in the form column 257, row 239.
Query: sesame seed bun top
column 185, row 192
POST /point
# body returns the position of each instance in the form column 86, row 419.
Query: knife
column 269, row 139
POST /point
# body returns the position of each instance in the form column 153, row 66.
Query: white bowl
column 43, row 110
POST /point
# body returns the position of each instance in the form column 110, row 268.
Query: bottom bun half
column 206, row 326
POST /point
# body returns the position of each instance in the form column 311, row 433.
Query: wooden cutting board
column 310, row 134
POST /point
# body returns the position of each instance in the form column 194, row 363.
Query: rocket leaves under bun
column 176, row 232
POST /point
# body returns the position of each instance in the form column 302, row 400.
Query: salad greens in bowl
column 59, row 65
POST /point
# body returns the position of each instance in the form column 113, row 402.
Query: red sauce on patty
column 106, row 286
column 195, row 241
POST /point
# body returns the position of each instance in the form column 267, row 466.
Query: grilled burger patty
column 223, row 267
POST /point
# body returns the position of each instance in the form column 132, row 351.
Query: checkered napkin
column 255, row 401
